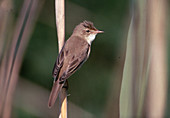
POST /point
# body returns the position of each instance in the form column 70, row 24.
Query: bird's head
column 87, row 31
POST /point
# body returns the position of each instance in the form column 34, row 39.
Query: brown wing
column 73, row 54
column 58, row 64
column 75, row 64
column 56, row 85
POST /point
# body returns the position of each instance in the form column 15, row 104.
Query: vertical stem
column 63, row 100
column 60, row 23
column 5, row 35
column 157, row 86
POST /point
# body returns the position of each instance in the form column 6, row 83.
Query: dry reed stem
column 63, row 98
column 135, row 74
column 60, row 23
column 140, row 58
column 22, row 32
column 5, row 18
column 157, row 86
column 6, row 21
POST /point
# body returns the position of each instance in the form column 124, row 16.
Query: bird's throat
column 90, row 38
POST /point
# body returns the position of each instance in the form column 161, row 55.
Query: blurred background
column 94, row 90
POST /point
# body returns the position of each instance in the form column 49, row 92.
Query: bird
column 73, row 54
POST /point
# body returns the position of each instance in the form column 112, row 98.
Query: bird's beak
column 98, row 31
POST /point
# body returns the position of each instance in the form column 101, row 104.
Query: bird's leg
column 66, row 85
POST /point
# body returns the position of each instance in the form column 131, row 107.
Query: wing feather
column 58, row 64
column 75, row 64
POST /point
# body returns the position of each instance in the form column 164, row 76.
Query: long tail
column 54, row 93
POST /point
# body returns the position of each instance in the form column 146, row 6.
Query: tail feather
column 54, row 93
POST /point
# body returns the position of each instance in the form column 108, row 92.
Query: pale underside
column 90, row 38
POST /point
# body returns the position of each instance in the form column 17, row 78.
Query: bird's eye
column 87, row 31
